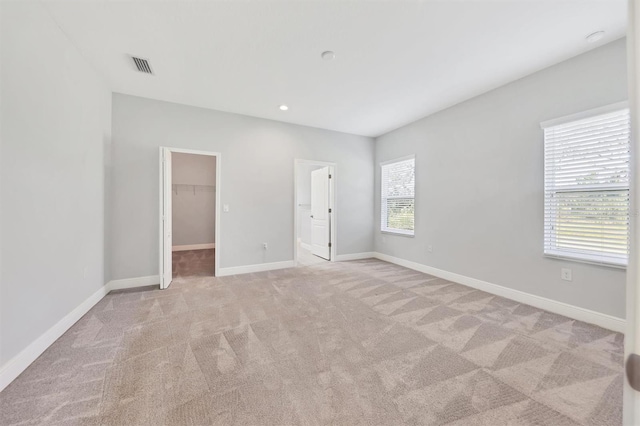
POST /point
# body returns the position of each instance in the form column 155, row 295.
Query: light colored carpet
column 192, row 263
column 352, row 343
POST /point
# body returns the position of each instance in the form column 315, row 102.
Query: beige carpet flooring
column 193, row 263
column 351, row 343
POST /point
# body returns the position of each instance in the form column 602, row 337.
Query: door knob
column 633, row 371
column 311, row 216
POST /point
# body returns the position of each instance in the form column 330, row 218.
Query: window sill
column 594, row 261
column 398, row 233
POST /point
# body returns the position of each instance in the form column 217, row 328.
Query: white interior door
column 320, row 216
column 167, row 240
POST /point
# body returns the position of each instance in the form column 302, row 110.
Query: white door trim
column 631, row 398
column 333, row 204
column 218, row 192
column 166, row 274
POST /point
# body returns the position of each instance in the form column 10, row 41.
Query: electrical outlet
column 225, row 208
column 430, row 248
column 265, row 246
column 565, row 274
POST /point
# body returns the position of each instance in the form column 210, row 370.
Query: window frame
column 383, row 198
column 590, row 258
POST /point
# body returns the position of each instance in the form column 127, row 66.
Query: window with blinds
column 398, row 196
column 586, row 187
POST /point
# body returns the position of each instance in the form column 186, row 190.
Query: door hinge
column 329, row 244
column 329, row 210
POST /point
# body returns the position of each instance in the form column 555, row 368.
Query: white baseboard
column 16, row 365
column 133, row 282
column 581, row 314
column 236, row 270
column 194, row 247
column 305, row 246
column 355, row 256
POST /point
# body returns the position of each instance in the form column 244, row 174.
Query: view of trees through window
column 592, row 221
column 400, row 213
column 398, row 196
column 587, row 187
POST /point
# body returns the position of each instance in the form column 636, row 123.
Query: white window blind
column 586, row 182
column 398, row 196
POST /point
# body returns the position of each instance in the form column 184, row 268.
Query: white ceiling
column 396, row 61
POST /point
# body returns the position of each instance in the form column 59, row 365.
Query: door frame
column 333, row 204
column 162, row 191
column 631, row 397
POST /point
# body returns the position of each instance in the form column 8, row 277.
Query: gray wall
column 194, row 199
column 256, row 182
column 56, row 123
column 479, row 182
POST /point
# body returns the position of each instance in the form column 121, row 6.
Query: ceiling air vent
column 142, row 65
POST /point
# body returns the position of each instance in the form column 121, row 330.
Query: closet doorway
column 189, row 214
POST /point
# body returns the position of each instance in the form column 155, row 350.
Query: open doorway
column 315, row 210
column 189, row 213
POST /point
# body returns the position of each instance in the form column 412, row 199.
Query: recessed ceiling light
column 328, row 55
column 283, row 107
column 592, row 38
